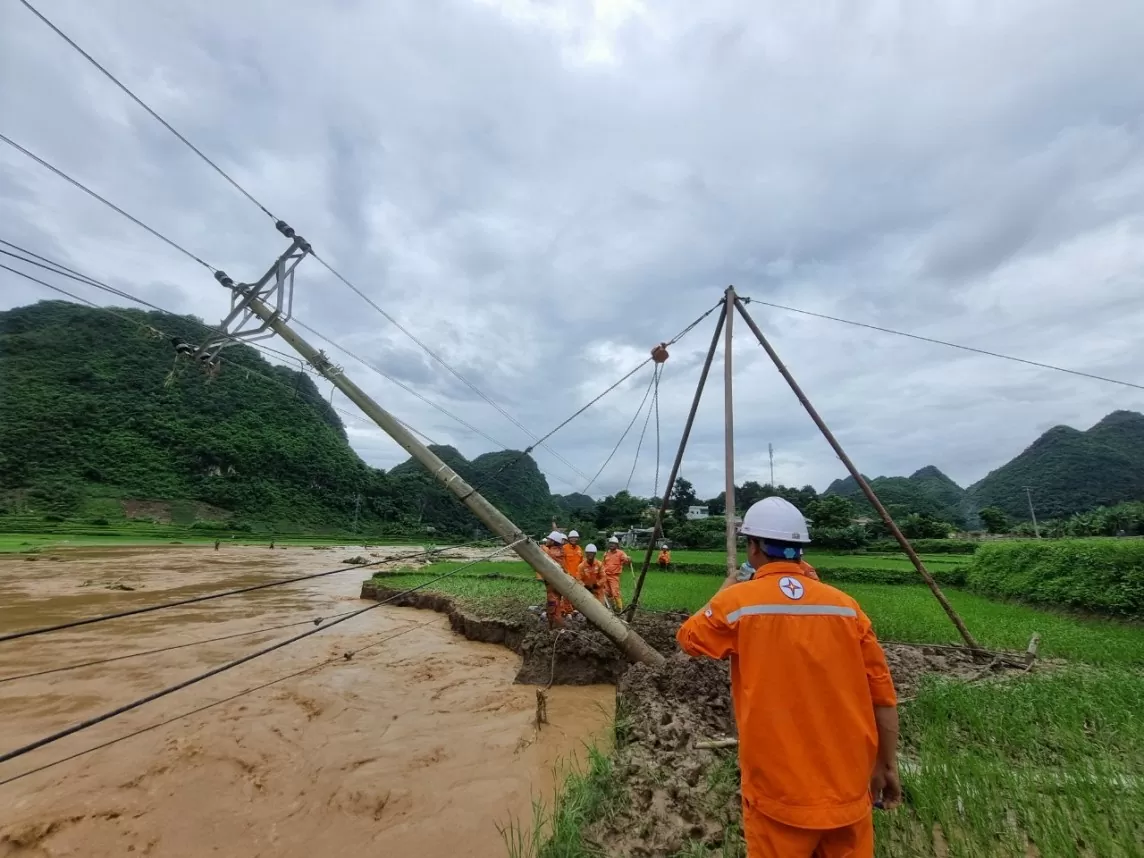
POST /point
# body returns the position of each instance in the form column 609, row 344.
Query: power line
column 631, row 423
column 147, row 107
column 314, row 622
column 106, row 202
column 639, row 447
column 89, row 281
column 963, row 348
column 11, row 636
column 215, row 671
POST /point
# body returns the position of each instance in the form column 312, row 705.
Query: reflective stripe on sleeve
column 791, row 610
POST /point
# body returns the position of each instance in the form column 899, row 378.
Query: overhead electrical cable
column 192, row 600
column 631, row 423
column 639, row 447
column 106, row 202
column 946, row 343
column 90, row 281
column 230, row 665
column 147, row 107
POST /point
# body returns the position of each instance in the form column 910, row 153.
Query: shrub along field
column 1048, row 764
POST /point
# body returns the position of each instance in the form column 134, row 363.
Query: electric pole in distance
column 771, row 453
column 1032, row 512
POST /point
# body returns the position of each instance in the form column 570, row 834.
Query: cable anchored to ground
column 230, row 665
column 946, row 343
column 210, row 596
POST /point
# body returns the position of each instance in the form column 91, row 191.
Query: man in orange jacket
column 814, row 701
column 555, row 605
column 591, row 574
column 615, row 559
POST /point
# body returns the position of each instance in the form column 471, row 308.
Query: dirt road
column 419, row 745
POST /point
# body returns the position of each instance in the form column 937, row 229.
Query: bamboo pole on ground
column 954, row 617
column 630, row 643
column 729, row 436
column 658, row 528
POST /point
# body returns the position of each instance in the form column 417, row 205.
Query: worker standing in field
column 573, row 557
column 615, row 559
column 555, row 605
column 814, row 700
column 592, row 575
column 664, row 559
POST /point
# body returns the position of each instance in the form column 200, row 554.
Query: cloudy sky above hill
column 541, row 191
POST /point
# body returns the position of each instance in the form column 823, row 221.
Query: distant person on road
column 615, row 559
column 592, row 575
column 814, row 700
column 216, row 544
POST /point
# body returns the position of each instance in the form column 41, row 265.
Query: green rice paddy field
column 1047, row 764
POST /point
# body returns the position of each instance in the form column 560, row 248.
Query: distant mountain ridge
column 1067, row 471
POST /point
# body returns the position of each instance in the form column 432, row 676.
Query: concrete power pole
column 1032, row 512
column 771, row 453
column 248, row 299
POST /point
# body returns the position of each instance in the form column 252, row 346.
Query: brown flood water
column 421, row 745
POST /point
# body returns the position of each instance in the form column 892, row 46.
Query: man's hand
column 886, row 786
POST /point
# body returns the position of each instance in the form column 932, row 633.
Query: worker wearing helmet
column 555, row 605
column 573, row 554
column 615, row 559
column 591, row 573
column 664, row 558
column 814, row 701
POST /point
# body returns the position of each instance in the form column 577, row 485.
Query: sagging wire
column 11, row 636
column 631, row 423
column 230, row 665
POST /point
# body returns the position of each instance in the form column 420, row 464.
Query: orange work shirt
column 664, row 557
column 806, row 674
column 573, row 557
column 556, row 553
column 592, row 574
column 614, row 562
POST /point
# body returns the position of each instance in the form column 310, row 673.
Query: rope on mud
column 316, row 621
column 99, row 719
column 195, row 599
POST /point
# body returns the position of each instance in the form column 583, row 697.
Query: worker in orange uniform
column 615, row 559
column 573, row 557
column 814, row 701
column 555, row 605
column 591, row 574
column 664, row 559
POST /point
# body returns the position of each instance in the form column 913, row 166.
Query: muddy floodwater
column 420, row 745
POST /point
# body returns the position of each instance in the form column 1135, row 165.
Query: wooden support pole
column 630, row 643
column 631, row 609
column 729, row 436
column 954, row 617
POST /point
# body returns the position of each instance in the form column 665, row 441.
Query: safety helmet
column 590, row 548
column 573, row 534
column 775, row 519
column 613, row 541
column 557, row 537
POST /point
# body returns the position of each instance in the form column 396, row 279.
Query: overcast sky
column 541, row 191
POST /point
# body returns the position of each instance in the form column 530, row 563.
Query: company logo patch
column 792, row 588
column 708, row 612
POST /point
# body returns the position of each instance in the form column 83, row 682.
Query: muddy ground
column 421, row 744
column 678, row 794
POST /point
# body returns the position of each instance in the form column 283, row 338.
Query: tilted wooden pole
column 729, row 436
column 861, row 480
column 631, row 609
column 630, row 643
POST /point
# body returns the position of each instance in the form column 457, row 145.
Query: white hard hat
column 557, row 537
column 573, row 533
column 613, row 541
column 777, row 519
column 590, row 548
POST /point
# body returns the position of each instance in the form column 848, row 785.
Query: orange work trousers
column 768, row 838
column 612, row 591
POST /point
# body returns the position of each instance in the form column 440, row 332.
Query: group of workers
column 600, row 576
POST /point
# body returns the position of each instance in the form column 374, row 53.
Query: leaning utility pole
column 247, row 303
column 1032, row 512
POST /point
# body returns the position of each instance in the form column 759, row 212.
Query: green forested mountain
column 575, row 503
column 927, row 491
column 1069, row 471
column 96, row 408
